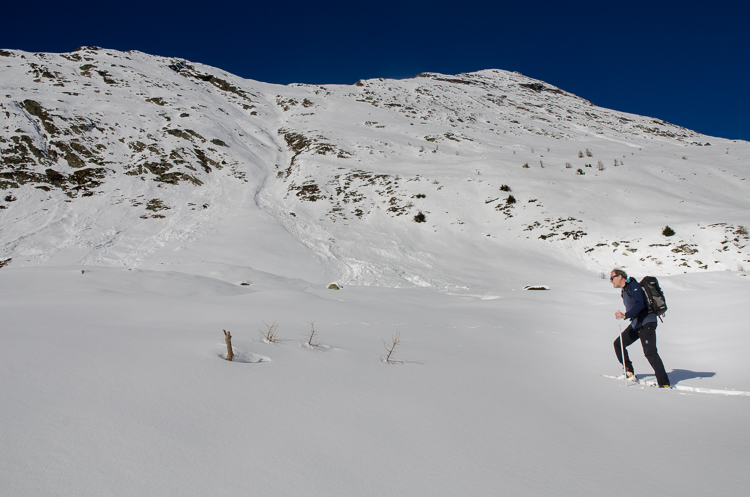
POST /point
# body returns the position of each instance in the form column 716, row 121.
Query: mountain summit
column 132, row 160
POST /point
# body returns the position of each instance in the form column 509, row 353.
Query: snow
column 114, row 383
column 112, row 372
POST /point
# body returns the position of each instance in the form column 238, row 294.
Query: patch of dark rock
column 35, row 109
column 204, row 160
column 175, row 178
column 538, row 87
column 179, row 134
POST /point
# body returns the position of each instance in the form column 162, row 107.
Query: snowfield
column 149, row 203
column 114, row 383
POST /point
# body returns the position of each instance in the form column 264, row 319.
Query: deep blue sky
column 686, row 62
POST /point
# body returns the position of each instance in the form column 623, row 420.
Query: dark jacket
column 636, row 305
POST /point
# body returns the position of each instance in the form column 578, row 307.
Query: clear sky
column 686, row 62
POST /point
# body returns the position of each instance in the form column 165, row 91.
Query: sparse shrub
column 526, row 166
column 589, row 153
column 580, row 154
column 600, row 166
column 312, row 339
column 391, row 348
column 580, row 172
column 741, row 230
column 667, row 231
column 420, row 218
column 505, row 188
column 510, row 200
column 567, row 165
column 270, row 334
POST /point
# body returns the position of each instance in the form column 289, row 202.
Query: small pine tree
column 667, row 231
column 510, row 200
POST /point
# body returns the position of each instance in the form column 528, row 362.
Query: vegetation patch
column 309, row 191
column 156, row 205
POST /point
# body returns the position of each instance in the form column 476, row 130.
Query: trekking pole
column 622, row 354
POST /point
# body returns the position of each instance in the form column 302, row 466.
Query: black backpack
column 656, row 301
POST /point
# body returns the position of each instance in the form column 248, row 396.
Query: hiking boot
column 629, row 374
column 665, row 386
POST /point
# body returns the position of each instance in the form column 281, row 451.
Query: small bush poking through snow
column 391, row 348
column 312, row 339
column 270, row 334
column 667, row 231
column 420, row 218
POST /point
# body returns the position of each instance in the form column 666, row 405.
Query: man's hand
column 619, row 315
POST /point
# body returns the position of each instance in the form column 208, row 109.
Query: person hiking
column 642, row 325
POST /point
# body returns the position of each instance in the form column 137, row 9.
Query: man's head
column 618, row 277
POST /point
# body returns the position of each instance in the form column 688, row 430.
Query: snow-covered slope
column 133, row 160
column 150, row 203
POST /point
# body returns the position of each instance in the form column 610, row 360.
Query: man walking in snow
column 642, row 325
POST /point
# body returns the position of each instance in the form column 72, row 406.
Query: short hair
column 620, row 272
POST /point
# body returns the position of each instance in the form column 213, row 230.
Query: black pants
column 647, row 334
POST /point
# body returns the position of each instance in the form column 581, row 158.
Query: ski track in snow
column 682, row 388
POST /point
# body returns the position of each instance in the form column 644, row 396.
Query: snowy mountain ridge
column 133, row 160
